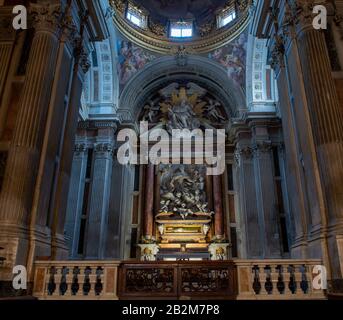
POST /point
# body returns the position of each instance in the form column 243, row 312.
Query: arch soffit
column 200, row 70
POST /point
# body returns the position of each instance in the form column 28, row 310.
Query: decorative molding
column 94, row 125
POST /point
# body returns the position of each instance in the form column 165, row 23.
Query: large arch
column 162, row 71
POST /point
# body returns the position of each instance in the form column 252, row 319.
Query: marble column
column 326, row 118
column 269, row 220
column 327, row 124
column 250, row 226
column 99, row 201
column 24, row 152
column 76, row 198
column 120, row 213
column 218, row 208
column 298, row 201
column 148, row 218
column 302, row 53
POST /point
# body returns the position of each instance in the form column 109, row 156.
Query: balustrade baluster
column 75, row 286
column 292, row 280
column 263, row 279
column 87, row 282
column 93, row 277
column 304, row 280
column 58, row 277
column 269, row 283
column 256, row 283
column 51, row 287
column 99, row 281
column 298, row 279
column 280, row 285
column 63, row 287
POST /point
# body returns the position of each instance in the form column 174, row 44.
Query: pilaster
column 99, row 200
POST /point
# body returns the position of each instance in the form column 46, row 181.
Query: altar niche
column 188, row 222
column 183, row 205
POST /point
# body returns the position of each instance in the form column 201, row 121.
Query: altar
column 188, row 223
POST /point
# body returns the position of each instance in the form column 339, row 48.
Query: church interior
column 86, row 226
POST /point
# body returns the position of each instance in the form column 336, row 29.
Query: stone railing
column 238, row 279
column 277, row 279
column 76, row 280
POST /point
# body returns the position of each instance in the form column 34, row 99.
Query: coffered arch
column 200, row 70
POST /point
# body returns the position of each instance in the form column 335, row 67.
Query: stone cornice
column 95, row 125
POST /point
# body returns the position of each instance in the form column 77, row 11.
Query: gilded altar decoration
column 219, row 251
column 148, row 251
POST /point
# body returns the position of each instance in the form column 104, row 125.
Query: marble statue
column 182, row 116
column 213, row 112
column 183, row 191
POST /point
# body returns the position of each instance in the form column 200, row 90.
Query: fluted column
column 301, row 52
column 99, row 201
column 251, row 228
column 218, row 208
column 19, row 181
column 148, row 218
column 326, row 117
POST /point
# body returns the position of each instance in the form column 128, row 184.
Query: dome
column 198, row 26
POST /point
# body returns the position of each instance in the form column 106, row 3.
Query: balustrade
column 277, row 279
column 238, row 279
column 73, row 280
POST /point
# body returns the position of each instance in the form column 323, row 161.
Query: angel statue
column 151, row 112
column 212, row 111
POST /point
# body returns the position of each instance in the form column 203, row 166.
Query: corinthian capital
column 46, row 17
column 301, row 14
column 104, row 149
